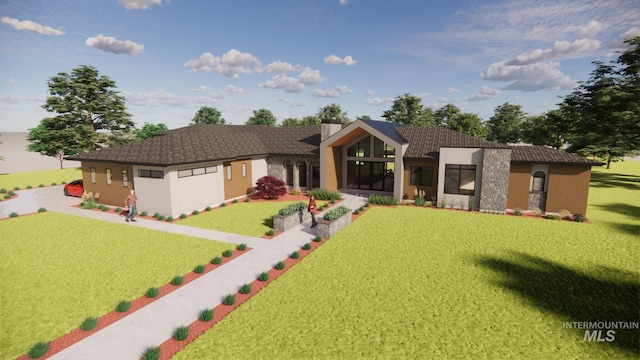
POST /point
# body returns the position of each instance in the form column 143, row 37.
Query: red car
column 74, row 188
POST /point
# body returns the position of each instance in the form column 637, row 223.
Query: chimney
column 329, row 127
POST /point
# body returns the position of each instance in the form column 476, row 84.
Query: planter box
column 327, row 229
column 286, row 222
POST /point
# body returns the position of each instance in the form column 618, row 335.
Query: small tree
column 270, row 187
column 50, row 138
column 148, row 131
column 262, row 117
column 408, row 109
column 208, row 115
column 332, row 111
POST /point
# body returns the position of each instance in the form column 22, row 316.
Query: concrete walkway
column 153, row 324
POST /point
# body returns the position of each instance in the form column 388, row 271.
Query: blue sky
column 169, row 58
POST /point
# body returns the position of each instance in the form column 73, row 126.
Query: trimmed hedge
column 336, row 213
column 293, row 208
column 322, row 194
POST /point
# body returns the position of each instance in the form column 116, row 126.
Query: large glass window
column 315, row 175
column 302, row 174
column 460, row 179
column 382, row 149
column 360, row 149
column 538, row 181
column 421, row 176
column 370, row 175
column 288, row 167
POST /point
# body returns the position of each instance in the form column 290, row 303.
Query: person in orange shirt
column 312, row 210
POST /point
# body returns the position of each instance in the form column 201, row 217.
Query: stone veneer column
column 495, row 180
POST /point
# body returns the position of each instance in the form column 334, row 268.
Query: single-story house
column 197, row 166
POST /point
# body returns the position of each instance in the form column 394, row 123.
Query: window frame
column 535, row 188
column 457, row 171
column 151, row 174
column 422, row 176
column 125, row 178
column 109, row 176
column 93, row 175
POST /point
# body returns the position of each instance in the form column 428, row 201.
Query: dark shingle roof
column 200, row 143
column 426, row 141
column 543, row 154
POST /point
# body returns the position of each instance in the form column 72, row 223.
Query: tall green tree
column 208, row 115
column 54, row 138
column 467, row 123
column 90, row 112
column 333, row 111
column 443, row 115
column 606, row 108
column 408, row 109
column 551, row 129
column 147, row 131
column 262, row 117
column 307, row 120
column 505, row 124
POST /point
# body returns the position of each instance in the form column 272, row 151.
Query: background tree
column 407, row 109
column 467, row 123
column 262, row 117
column 551, row 128
column 91, row 113
column 148, row 131
column 505, row 124
column 53, row 138
column 307, row 120
column 208, row 115
column 333, row 111
column 364, row 117
column 606, row 108
column 443, row 115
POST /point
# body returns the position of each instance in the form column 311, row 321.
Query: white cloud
column 540, row 76
column 452, row 90
column 112, row 45
column 31, row 26
column 343, row 2
column 369, row 93
column 310, row 76
column 234, row 90
column 332, row 93
column 293, row 103
column 284, row 82
column 619, row 45
column 334, row 59
column 139, row 4
column 591, row 30
column 202, row 88
column 380, row 101
column 12, row 81
column 484, row 94
column 280, row 67
column 560, row 49
column 160, row 97
column 231, row 64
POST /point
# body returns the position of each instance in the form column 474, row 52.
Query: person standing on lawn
column 130, row 203
column 312, row 210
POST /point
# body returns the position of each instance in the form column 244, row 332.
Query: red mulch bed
column 107, row 319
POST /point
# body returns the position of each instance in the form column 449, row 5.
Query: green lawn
column 431, row 283
column 252, row 218
column 58, row 269
column 35, row 178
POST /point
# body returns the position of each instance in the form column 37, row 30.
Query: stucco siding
column 568, row 188
column 154, row 195
column 459, row 156
column 259, row 168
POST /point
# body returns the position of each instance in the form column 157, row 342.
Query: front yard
column 59, row 269
column 429, row 283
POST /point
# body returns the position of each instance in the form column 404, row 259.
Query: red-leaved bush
column 270, row 187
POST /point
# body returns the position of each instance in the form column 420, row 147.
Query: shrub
column 537, row 212
column 552, row 216
column 322, row 194
column 318, row 238
column 151, row 353
column 296, row 192
column 53, row 184
column 104, row 208
column 17, row 188
column 382, row 199
column 419, row 201
column 3, row 191
column 517, row 212
column 229, row 299
column 183, row 216
column 152, row 292
column 88, row 204
column 245, row 289
column 426, row 204
column 565, row 214
column 118, row 209
column 161, row 217
column 181, row 333
column 89, row 324
column 270, row 187
column 292, row 208
column 264, row 276
column 306, row 246
column 336, row 213
column 216, row 260
column 356, row 212
column 42, row 209
column 208, row 208
column 177, row 280
column 295, row 255
column 361, row 208
column 332, row 201
column 279, row 265
column 235, row 201
column 156, row 215
column 199, row 269
column 144, row 213
column 170, row 219
column 223, row 204
column 579, row 218
column 11, row 193
column 242, row 247
column 271, row 232
column 247, row 200
column 38, row 350
column 227, row 253
column 63, row 183
column 29, row 187
column 206, row 315
column 195, row 212
column 366, row 204
column 123, row 306
column 13, row 214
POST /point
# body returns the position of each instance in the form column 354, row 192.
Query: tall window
column 288, row 167
column 125, row 178
column 360, row 149
column 229, row 172
column 93, row 175
column 459, row 179
column 538, row 181
column 108, row 176
column 244, row 170
column 421, row 176
column 382, row 149
column 315, row 175
column 302, row 174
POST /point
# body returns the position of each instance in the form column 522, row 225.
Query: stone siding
column 275, row 167
column 495, row 180
column 537, row 200
column 286, row 222
column 327, row 229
